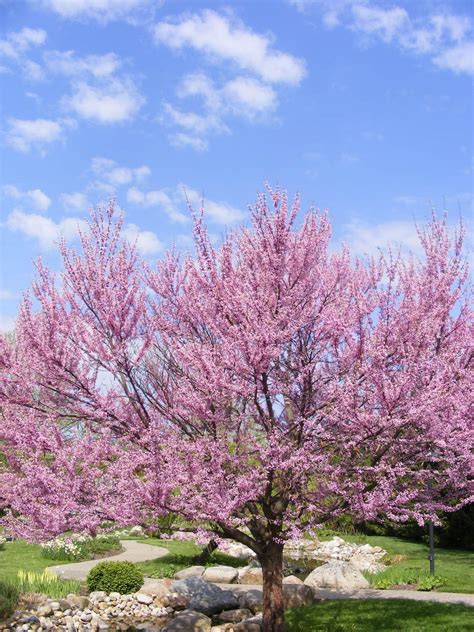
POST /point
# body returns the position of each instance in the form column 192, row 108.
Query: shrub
column 393, row 576
column 122, row 577
column 8, row 599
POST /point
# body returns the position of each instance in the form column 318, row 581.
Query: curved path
column 133, row 551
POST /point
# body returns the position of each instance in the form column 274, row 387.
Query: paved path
column 416, row 595
column 133, row 551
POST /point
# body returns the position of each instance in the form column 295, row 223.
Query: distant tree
column 262, row 387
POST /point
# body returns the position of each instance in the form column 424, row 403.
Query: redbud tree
column 258, row 388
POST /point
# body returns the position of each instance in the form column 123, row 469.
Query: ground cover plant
column 262, row 387
column 373, row 615
column 76, row 546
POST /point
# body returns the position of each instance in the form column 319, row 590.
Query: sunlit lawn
column 380, row 615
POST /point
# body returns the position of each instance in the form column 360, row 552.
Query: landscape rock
column 292, row 579
column 237, row 550
column 251, row 574
column 234, row 616
column 254, row 624
column 189, row 621
column 363, row 556
column 297, row 595
column 192, row 571
column 144, row 598
column 155, row 587
column 252, row 600
column 203, row 597
column 337, row 575
column 221, row 574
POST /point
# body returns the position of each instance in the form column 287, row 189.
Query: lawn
column 376, row 615
column 455, row 566
column 19, row 555
column 181, row 555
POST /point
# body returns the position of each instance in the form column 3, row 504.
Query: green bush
column 122, row 577
column 394, row 576
column 8, row 599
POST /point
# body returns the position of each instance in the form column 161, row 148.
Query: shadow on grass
column 394, row 615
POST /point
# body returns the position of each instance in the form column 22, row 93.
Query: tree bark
column 271, row 560
column 206, row 553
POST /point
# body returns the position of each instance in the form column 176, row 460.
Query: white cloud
column 173, row 199
column 101, row 10
column 181, row 139
column 460, row 58
column 45, row 230
column 24, row 134
column 384, row 22
column 367, row 239
column 67, row 63
column 6, row 295
column 32, row 70
column 218, row 212
column 244, row 97
column 74, row 201
column 223, row 38
column 146, row 241
column 157, row 198
column 15, row 47
column 7, row 324
column 443, row 36
column 248, row 96
column 17, row 43
column 111, row 175
column 115, row 101
column 36, row 197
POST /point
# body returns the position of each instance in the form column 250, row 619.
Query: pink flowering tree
column 258, row 388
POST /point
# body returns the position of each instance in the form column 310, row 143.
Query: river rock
column 44, row 610
column 156, row 587
column 203, row 597
column 254, row 624
column 144, row 598
column 251, row 574
column 234, row 616
column 297, row 595
column 191, row 571
column 188, row 621
column 292, row 579
column 220, row 574
column 251, row 600
column 337, row 575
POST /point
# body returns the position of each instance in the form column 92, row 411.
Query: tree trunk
column 271, row 560
column 206, row 553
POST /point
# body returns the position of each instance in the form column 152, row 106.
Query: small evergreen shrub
column 121, row 577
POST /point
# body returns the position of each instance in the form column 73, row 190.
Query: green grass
column 181, row 555
column 455, row 566
column 20, row 555
column 377, row 615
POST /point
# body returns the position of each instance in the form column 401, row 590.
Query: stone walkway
column 133, row 551
column 416, row 595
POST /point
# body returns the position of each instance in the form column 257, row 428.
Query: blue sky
column 365, row 107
